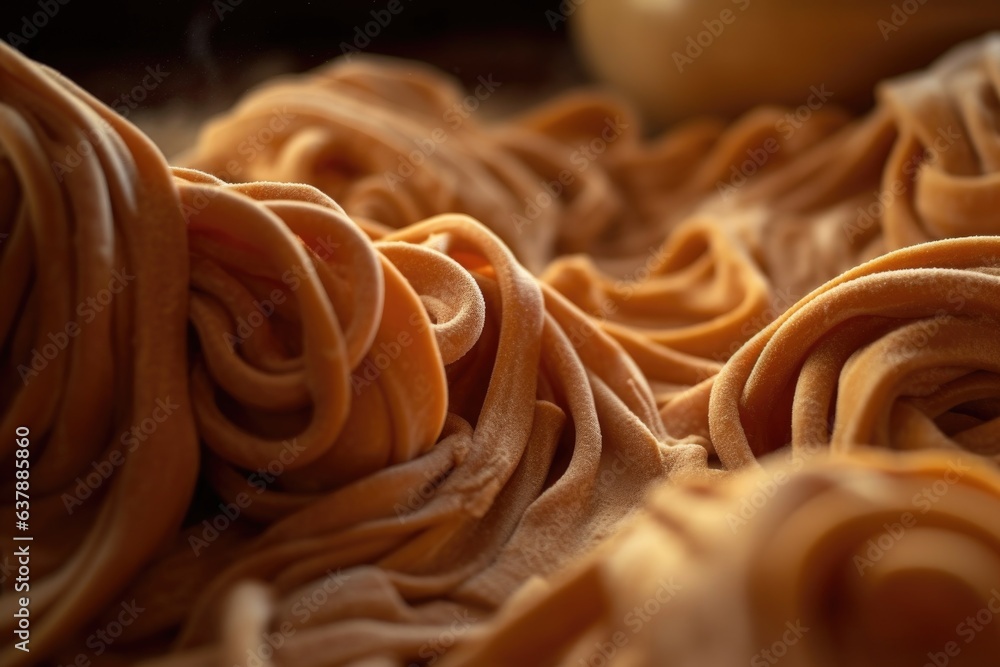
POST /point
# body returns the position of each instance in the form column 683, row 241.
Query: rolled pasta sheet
column 396, row 142
column 865, row 559
column 682, row 313
column 921, row 166
column 900, row 352
column 280, row 421
column 341, row 421
column 93, row 313
column 392, row 141
column 739, row 225
column 801, row 194
column 942, row 178
column 397, row 433
column 546, row 447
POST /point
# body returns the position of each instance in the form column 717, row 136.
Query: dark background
column 214, row 50
column 212, row 44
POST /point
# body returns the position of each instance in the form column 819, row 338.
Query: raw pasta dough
column 327, row 404
column 411, row 410
column 864, row 560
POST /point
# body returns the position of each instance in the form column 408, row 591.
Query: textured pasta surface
column 852, row 560
column 401, row 379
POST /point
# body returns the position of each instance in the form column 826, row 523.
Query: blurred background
column 674, row 58
column 214, row 50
